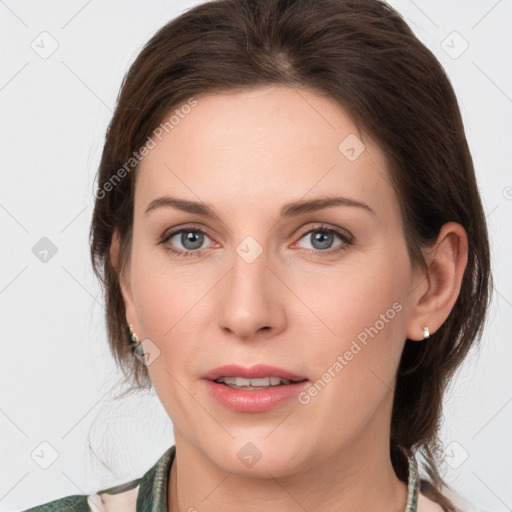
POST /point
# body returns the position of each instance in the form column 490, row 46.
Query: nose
column 250, row 300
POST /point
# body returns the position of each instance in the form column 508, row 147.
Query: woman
column 294, row 254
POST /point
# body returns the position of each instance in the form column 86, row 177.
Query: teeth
column 261, row 382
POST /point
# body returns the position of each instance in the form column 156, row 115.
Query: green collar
column 152, row 495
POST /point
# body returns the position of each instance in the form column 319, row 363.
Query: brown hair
column 362, row 54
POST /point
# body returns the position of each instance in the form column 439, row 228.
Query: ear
column 124, row 281
column 436, row 294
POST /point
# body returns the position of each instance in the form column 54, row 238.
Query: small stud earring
column 426, row 333
column 134, row 339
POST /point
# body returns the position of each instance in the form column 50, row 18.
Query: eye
column 322, row 238
column 190, row 239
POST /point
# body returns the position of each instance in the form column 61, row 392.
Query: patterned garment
column 149, row 493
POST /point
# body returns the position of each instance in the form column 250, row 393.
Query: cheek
column 362, row 330
column 362, row 313
column 353, row 371
column 169, row 307
column 361, row 300
column 166, row 298
column 164, row 306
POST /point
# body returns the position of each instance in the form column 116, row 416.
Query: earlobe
column 446, row 263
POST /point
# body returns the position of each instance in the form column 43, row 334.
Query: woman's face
column 266, row 282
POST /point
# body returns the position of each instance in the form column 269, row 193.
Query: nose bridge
column 249, row 276
column 249, row 301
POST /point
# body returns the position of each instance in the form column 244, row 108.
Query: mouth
column 256, row 389
column 259, row 383
column 260, row 376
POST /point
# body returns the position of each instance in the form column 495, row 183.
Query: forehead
column 272, row 143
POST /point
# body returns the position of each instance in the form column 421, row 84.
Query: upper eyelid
column 324, row 227
column 173, row 232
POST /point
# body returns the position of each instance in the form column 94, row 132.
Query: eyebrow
column 288, row 210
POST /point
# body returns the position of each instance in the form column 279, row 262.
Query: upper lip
column 253, row 372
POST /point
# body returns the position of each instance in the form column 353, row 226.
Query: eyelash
column 347, row 241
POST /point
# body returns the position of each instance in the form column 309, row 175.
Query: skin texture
column 247, row 154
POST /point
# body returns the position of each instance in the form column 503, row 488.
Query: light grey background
column 57, row 377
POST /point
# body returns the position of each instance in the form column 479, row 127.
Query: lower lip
column 255, row 400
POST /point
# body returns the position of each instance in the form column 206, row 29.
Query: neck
column 330, row 487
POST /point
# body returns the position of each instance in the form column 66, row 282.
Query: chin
column 260, row 457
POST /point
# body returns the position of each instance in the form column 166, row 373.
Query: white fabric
column 123, row 502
